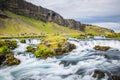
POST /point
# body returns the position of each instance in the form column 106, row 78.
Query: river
column 78, row 64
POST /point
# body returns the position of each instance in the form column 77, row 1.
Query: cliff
column 27, row 9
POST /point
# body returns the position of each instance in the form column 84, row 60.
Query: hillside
column 27, row 9
column 17, row 24
column 21, row 18
column 97, row 30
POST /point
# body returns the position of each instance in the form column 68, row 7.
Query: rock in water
column 102, row 48
column 11, row 60
column 115, row 77
column 99, row 74
column 2, row 58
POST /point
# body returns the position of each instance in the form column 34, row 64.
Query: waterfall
column 78, row 64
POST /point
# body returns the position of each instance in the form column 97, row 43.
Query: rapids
column 79, row 64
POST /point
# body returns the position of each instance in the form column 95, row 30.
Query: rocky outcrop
column 28, row 9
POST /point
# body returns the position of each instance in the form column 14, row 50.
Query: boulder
column 115, row 77
column 2, row 58
column 102, row 48
column 11, row 60
column 98, row 74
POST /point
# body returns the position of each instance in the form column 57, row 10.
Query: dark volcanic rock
column 2, row 58
column 67, row 63
column 99, row 74
column 115, row 77
column 28, row 9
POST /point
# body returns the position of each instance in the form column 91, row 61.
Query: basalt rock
column 2, row 58
column 115, row 77
column 24, row 8
column 99, row 74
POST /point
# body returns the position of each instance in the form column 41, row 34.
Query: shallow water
column 77, row 65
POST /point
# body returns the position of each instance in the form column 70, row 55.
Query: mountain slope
column 96, row 30
column 17, row 24
column 27, row 9
column 23, row 18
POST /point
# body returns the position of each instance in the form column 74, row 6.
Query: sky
column 86, row 11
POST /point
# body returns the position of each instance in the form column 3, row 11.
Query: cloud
column 81, row 8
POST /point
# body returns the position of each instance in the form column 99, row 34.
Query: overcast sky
column 82, row 9
column 86, row 11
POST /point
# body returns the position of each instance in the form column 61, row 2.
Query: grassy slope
column 96, row 30
column 17, row 24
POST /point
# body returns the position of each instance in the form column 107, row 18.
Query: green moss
column 44, row 53
column 23, row 41
column 79, row 36
column 11, row 60
column 12, row 44
column 4, row 50
column 52, row 46
column 30, row 49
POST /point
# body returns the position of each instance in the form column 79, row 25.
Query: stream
column 78, row 64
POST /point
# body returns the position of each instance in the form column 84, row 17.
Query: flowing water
column 79, row 64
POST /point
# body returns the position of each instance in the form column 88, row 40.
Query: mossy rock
column 12, row 44
column 102, row 48
column 30, row 49
column 11, row 60
column 23, row 41
column 52, row 46
column 4, row 50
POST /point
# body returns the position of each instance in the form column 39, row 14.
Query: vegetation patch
column 115, row 35
column 23, row 41
column 12, row 44
column 52, row 46
column 78, row 36
column 6, row 57
column 30, row 49
column 11, row 60
column 93, row 30
column 4, row 50
column 102, row 48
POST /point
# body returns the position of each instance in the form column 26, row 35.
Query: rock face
column 28, row 9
